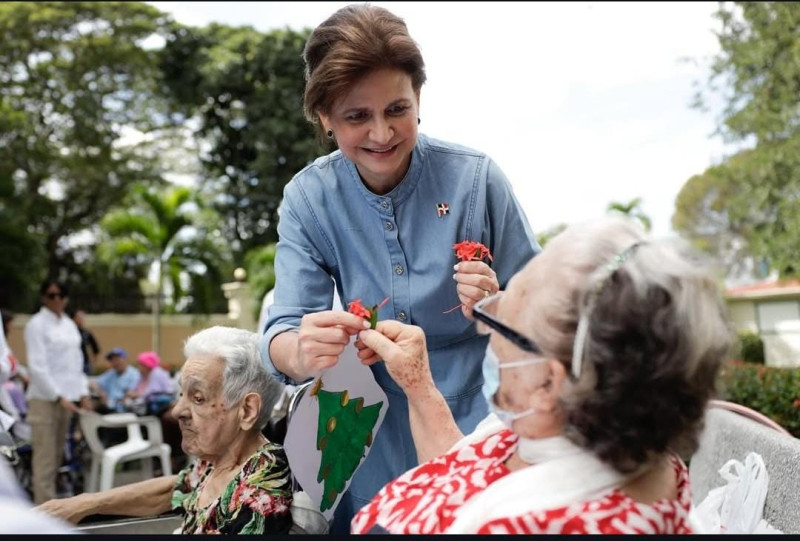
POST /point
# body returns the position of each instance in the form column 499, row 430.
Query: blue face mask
column 491, row 384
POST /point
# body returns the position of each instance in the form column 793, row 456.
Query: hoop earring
column 329, row 133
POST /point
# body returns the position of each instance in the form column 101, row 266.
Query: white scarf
column 561, row 474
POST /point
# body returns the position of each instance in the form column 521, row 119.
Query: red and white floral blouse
column 424, row 500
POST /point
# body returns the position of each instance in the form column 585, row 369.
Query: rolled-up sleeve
column 513, row 242
column 303, row 283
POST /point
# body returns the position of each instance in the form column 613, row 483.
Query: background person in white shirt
column 57, row 383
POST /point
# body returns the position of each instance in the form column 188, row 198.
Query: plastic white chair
column 105, row 459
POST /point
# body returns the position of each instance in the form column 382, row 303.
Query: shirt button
column 398, row 269
column 389, row 226
column 401, row 316
column 384, row 205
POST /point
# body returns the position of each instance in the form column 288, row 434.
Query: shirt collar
column 404, row 189
column 51, row 315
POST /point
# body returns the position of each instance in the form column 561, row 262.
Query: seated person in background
column 602, row 356
column 14, row 381
column 155, row 388
column 115, row 382
column 240, row 481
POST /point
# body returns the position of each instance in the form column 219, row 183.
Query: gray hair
column 244, row 372
column 656, row 336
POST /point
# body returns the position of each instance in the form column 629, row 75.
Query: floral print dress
column 256, row 501
column 425, row 500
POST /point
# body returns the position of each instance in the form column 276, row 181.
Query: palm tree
column 170, row 233
column 632, row 209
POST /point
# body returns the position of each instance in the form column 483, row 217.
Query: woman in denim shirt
column 379, row 218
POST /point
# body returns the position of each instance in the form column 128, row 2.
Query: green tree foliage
column 752, row 195
column 751, row 347
column 73, row 75
column 773, row 391
column 260, row 266
column 633, row 209
column 545, row 236
column 246, row 90
column 170, row 232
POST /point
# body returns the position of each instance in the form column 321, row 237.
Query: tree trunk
column 157, row 310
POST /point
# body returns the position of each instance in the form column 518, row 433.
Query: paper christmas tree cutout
column 343, row 434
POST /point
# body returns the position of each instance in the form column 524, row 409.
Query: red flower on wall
column 370, row 314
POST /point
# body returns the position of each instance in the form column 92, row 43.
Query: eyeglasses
column 481, row 311
column 53, row 296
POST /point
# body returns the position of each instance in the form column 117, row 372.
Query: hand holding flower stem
column 370, row 314
column 474, row 277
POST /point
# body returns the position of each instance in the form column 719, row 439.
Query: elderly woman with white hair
column 240, row 482
column 603, row 353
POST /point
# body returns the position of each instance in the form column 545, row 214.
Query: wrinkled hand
column 474, row 279
column 70, row 509
column 403, row 349
column 366, row 353
column 322, row 337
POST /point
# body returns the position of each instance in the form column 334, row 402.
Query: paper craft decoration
column 332, row 428
column 344, row 433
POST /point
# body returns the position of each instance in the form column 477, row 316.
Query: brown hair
column 351, row 43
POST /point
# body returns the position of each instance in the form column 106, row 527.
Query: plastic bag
column 737, row 507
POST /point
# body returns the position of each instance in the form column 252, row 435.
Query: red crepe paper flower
column 370, row 314
column 468, row 250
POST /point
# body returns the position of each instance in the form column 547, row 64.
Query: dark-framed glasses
column 484, row 313
column 53, row 296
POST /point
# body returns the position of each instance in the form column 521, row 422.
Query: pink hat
column 150, row 359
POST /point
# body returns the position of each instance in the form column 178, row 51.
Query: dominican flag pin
column 442, row 209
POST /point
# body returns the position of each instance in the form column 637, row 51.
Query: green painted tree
column 755, row 190
column 171, row 234
column 343, row 435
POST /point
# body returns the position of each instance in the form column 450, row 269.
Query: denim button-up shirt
column 399, row 245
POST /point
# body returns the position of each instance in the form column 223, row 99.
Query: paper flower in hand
column 370, row 314
column 468, row 250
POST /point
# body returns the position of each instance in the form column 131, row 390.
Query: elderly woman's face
column 375, row 126
column 207, row 426
column 517, row 384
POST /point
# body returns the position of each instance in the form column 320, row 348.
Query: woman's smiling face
column 375, row 126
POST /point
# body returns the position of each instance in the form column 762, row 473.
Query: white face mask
column 491, row 384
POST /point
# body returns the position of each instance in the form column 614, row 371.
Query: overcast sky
column 580, row 104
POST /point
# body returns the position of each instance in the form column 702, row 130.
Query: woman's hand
column 322, row 337
column 68, row 405
column 476, row 280
column 402, row 347
column 366, row 354
column 72, row 509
